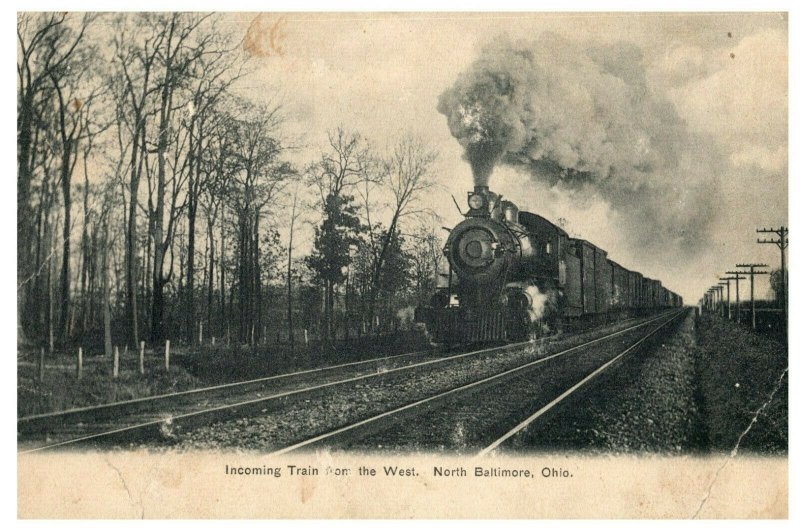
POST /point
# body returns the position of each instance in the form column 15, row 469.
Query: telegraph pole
column 727, row 281
column 752, row 274
column 782, row 242
column 737, row 277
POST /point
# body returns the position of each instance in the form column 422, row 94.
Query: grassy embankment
column 741, row 387
column 189, row 368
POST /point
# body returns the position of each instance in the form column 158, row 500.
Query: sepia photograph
column 402, row 265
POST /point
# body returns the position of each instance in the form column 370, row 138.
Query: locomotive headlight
column 476, row 201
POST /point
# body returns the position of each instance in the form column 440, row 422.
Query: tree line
column 154, row 200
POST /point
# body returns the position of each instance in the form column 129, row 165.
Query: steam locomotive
column 515, row 275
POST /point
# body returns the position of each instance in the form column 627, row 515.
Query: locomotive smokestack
column 481, row 189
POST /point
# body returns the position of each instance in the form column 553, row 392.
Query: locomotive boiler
column 514, row 275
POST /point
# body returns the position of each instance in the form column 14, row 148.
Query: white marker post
column 166, row 355
column 201, row 332
column 141, row 357
column 80, row 363
column 116, row 362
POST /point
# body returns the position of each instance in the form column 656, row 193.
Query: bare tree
column 137, row 44
column 76, row 122
column 175, row 57
column 407, row 178
column 289, row 273
column 346, row 164
column 47, row 46
column 218, row 162
column 260, row 176
column 427, row 259
column 216, row 68
column 187, row 179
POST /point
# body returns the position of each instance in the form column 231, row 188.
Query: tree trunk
column 66, row 187
column 40, row 291
column 244, row 278
column 86, row 256
column 258, row 306
column 24, row 130
column 50, row 274
column 130, row 245
column 106, row 297
column 381, row 259
column 192, row 217
column 50, row 324
column 157, row 316
column 222, row 285
column 190, row 271
column 330, row 318
column 290, row 316
column 183, row 325
column 210, row 308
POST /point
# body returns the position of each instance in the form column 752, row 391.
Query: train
column 515, row 276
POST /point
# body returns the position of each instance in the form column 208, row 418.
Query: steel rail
column 483, row 381
column 169, row 419
column 166, row 420
column 199, row 390
column 525, row 423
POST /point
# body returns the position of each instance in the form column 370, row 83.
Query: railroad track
column 154, row 417
column 541, row 411
column 33, row 423
column 150, row 416
column 383, row 430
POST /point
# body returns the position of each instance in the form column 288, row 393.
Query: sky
column 679, row 120
column 722, row 76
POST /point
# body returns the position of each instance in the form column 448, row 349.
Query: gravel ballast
column 644, row 405
column 469, row 423
column 705, row 385
column 705, row 389
column 301, row 417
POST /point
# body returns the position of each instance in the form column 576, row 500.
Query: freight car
column 515, row 275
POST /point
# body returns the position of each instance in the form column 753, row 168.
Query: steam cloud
column 541, row 303
column 583, row 119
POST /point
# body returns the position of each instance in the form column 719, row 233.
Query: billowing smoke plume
column 583, row 119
